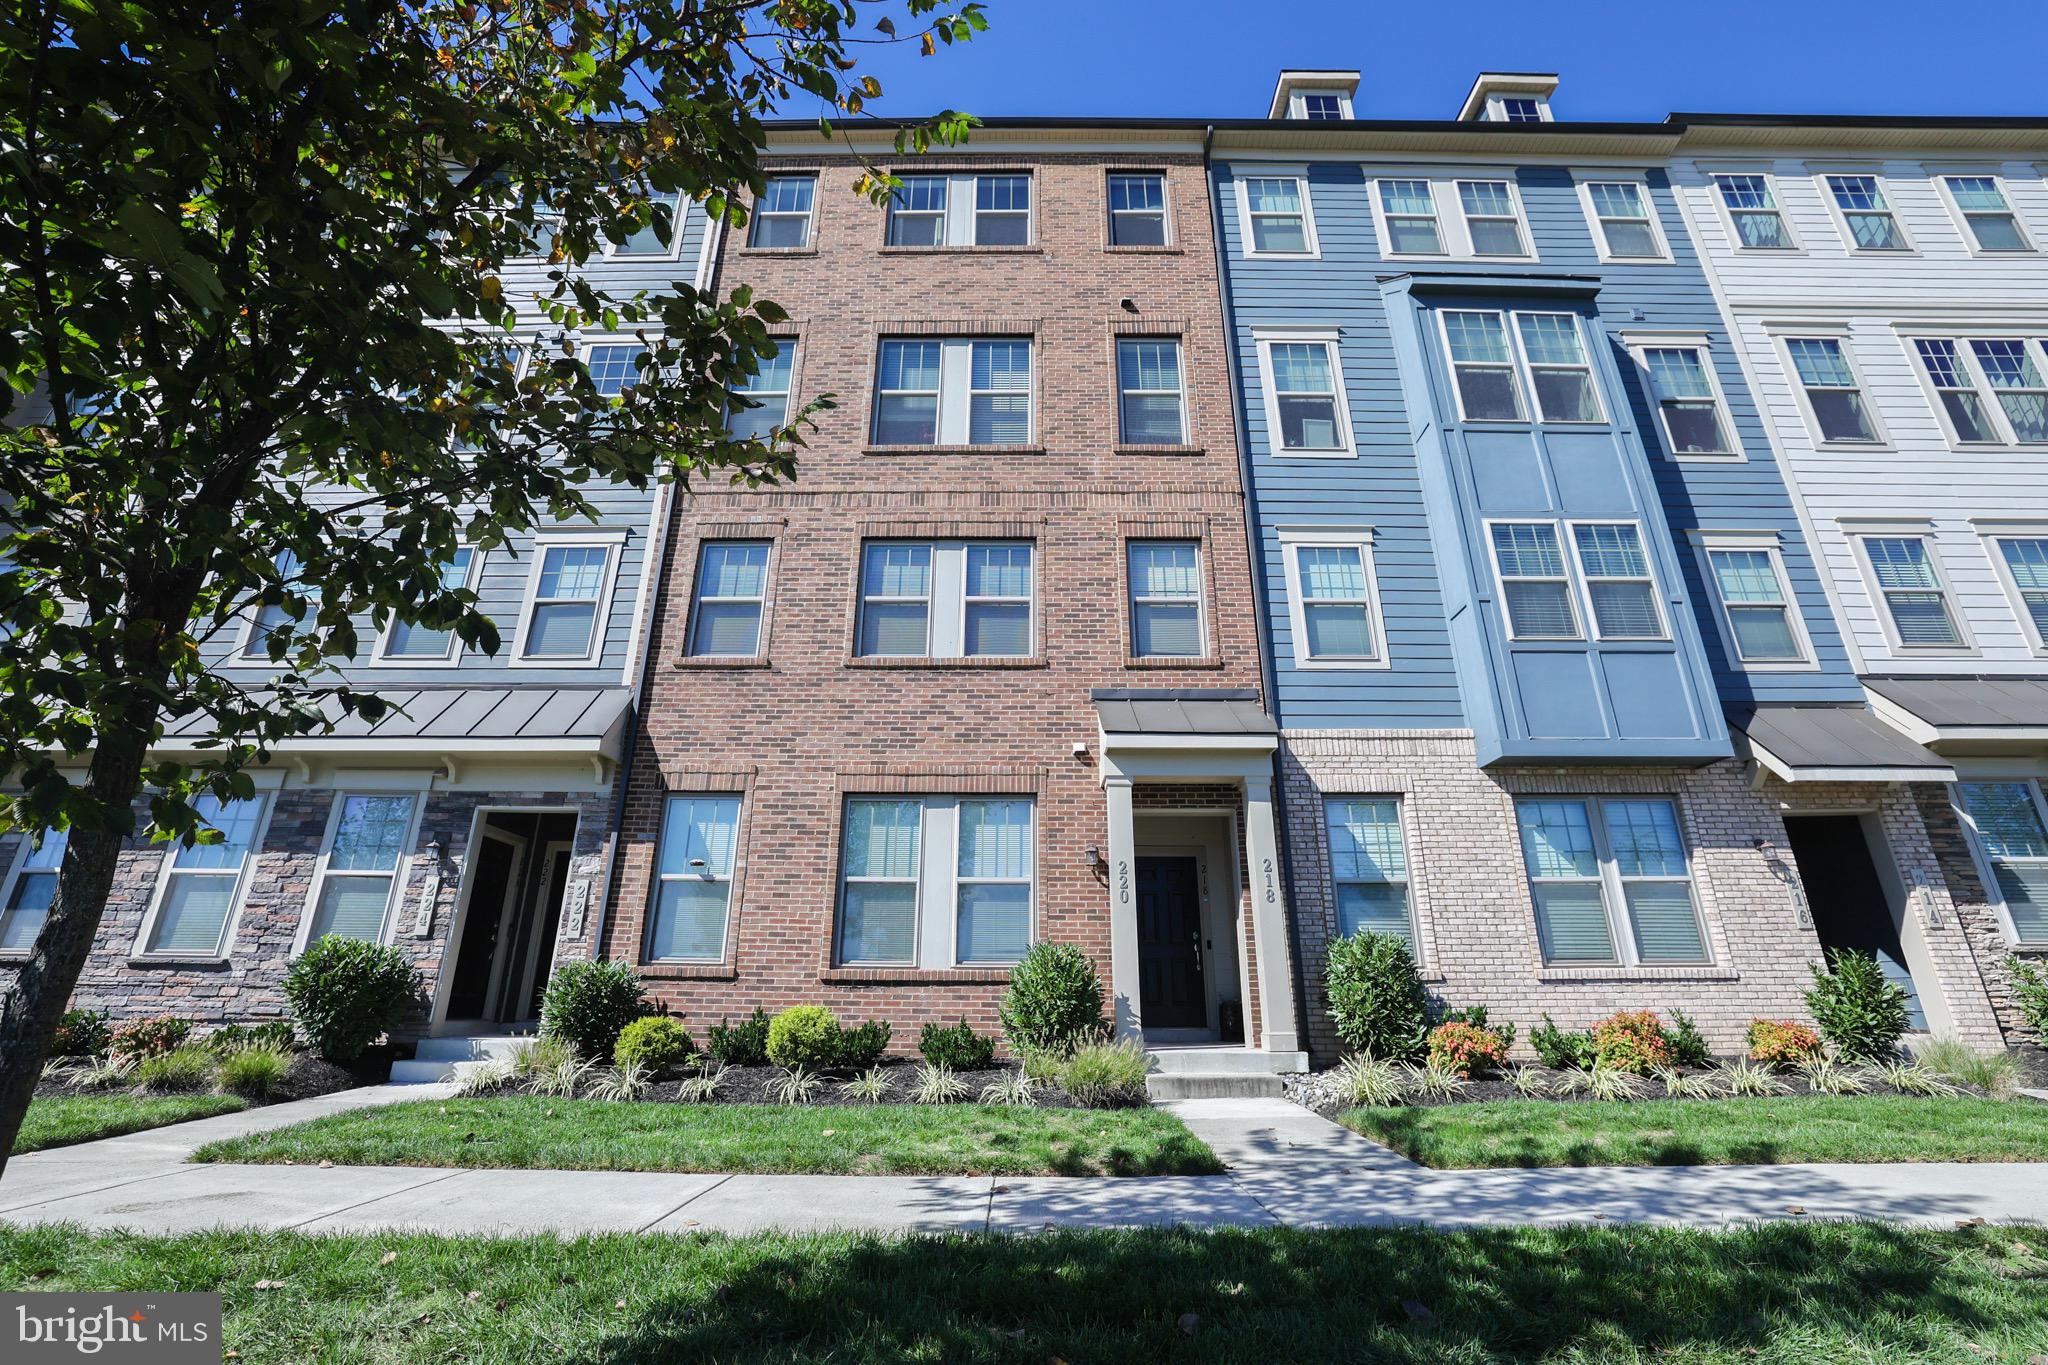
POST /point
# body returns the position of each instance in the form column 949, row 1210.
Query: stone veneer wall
column 247, row 984
column 1979, row 916
column 1475, row 922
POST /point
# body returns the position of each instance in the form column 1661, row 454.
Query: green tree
column 254, row 311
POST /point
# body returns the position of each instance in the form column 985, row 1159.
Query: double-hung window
column 1866, row 217
column 1305, row 408
column 1166, row 598
column 1333, row 609
column 936, row 881
column 405, row 643
column 1369, row 866
column 2016, row 382
column 1832, row 392
column 947, row 599
column 1493, row 218
column 732, row 590
column 986, row 209
column 693, row 881
column 30, row 890
column 649, row 239
column 1688, row 402
column 1610, row 881
column 1149, row 406
column 1483, row 367
column 2025, row 561
column 1408, row 207
column 1137, row 208
column 1520, row 109
column 1535, row 586
column 613, row 366
column 566, row 607
column 1955, row 387
column 2007, row 820
column 1916, row 600
column 1002, row 210
column 1547, row 346
column 275, row 618
column 1986, row 214
column 1623, row 219
column 1962, row 372
column 1752, row 208
column 368, row 837
column 1560, row 374
column 756, row 406
column 782, row 215
column 1759, row 619
column 1320, row 106
column 1618, row 580
column 196, row 897
column 1275, row 215
column 917, row 211
column 954, row 393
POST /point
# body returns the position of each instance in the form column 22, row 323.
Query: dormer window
column 1520, row 109
column 1321, row 104
column 1316, row 96
column 1509, row 97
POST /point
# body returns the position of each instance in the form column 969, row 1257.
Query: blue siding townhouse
column 1547, row 646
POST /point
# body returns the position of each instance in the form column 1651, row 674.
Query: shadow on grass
column 1417, row 1135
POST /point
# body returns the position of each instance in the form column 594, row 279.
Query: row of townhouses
column 1611, row 556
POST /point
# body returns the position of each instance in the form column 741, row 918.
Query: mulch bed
column 307, row 1077
column 1317, row 1090
column 751, row 1085
column 2033, row 1065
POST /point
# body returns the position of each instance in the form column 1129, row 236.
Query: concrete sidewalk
column 1287, row 1167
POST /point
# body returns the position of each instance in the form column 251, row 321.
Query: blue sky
column 1210, row 58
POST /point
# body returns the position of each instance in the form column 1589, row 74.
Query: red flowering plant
column 1467, row 1048
column 1631, row 1041
column 1780, row 1042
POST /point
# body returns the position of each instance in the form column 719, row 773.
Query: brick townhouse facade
column 900, row 711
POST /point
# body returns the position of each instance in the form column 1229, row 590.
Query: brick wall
column 798, row 730
column 1984, row 935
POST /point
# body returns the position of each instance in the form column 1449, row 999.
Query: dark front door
column 1170, row 993
column 1850, row 909
column 493, row 882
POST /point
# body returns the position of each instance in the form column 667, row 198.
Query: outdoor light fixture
column 1080, row 749
column 1096, row 862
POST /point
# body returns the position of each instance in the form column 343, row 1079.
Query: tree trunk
column 34, row 1002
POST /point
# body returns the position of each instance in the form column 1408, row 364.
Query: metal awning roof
column 1834, row 744
column 465, row 719
column 1181, row 711
column 1963, row 709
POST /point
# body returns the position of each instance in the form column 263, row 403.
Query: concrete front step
column 1185, row 1085
column 475, row 1047
column 1224, row 1061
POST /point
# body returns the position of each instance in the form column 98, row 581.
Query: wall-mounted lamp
column 1097, row 864
column 1080, row 749
column 1129, row 305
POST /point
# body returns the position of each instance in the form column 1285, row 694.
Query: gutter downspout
column 1254, row 559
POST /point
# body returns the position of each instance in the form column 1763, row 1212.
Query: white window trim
column 1859, row 534
column 1638, row 343
column 1180, row 393
column 1526, row 234
column 452, row 653
column 613, row 543
column 1784, row 336
column 607, row 250
column 1991, row 532
column 958, row 221
column 1240, row 173
column 1297, row 103
column 955, row 416
column 1408, row 853
column 1586, row 578
column 1613, row 893
column 810, row 215
column 729, row 879
column 1586, row 178
column 23, row 841
column 1523, row 397
column 1110, row 213
column 936, row 883
column 785, row 341
column 1941, row 174
column 1436, row 183
column 1131, row 601
column 399, row 874
column 1497, row 106
column 238, row 895
column 1264, row 338
column 2034, row 338
column 1704, row 544
column 1793, row 245
column 252, row 613
column 1348, row 538
column 1528, row 367
column 697, row 599
column 1820, row 174
column 946, row 598
column 1981, row 856
column 1567, row 560
column 1452, row 232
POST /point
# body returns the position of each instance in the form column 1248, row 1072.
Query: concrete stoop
column 1219, row 1073
column 448, row 1059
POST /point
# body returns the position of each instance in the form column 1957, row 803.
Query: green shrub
column 345, row 992
column 182, row 1068
column 140, row 1038
column 1561, row 1050
column 860, row 1048
column 744, row 1043
column 1106, row 1075
column 1631, row 1041
column 1475, row 1015
column 253, row 1072
column 657, row 1044
column 2030, row 991
column 1995, row 1073
column 1780, row 1042
column 957, row 1048
column 804, row 1036
column 1054, row 1003
column 81, row 1033
column 1861, row 1013
column 1688, row 1048
column 276, row 1033
column 589, row 1004
column 1376, row 996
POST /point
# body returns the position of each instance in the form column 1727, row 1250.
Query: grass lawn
column 1778, row 1295
column 63, row 1120
column 1711, row 1132
column 881, row 1139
